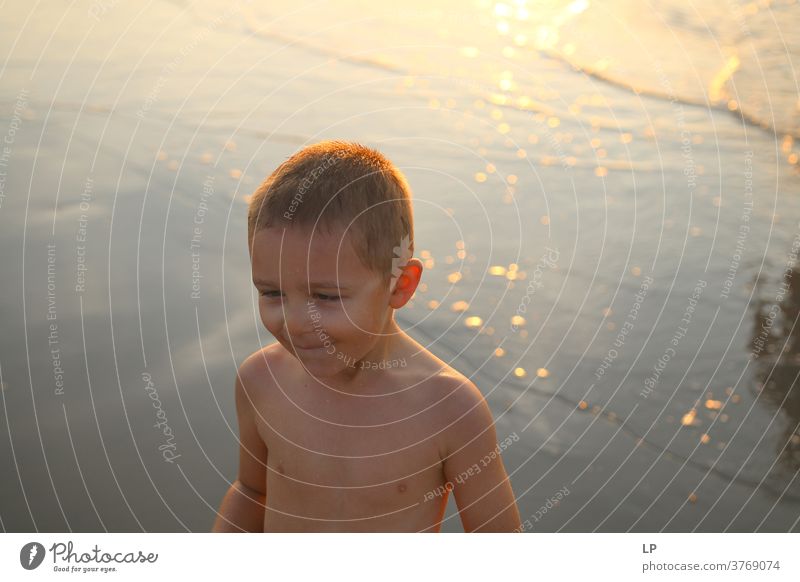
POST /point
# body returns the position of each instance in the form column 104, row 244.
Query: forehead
column 303, row 254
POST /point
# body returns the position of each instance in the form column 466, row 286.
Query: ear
column 406, row 284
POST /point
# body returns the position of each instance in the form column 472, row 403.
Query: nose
column 297, row 321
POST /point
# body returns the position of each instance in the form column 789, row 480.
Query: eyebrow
column 314, row 284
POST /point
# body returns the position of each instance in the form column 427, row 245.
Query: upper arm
column 473, row 465
column 252, row 450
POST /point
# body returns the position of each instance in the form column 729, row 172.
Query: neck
column 355, row 377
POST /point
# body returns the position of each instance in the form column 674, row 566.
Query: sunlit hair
column 337, row 184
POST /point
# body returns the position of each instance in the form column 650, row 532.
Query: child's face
column 317, row 298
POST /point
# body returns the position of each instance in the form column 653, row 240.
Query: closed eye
column 321, row 296
column 327, row 297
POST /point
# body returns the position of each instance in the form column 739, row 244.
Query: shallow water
column 586, row 167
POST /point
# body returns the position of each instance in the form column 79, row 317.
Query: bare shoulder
column 461, row 399
column 459, row 407
column 261, row 368
column 444, row 383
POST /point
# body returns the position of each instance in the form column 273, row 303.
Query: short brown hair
column 337, row 183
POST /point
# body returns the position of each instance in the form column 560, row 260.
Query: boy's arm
column 242, row 508
column 474, row 468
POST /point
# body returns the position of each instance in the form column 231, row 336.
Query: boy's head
column 331, row 237
column 334, row 185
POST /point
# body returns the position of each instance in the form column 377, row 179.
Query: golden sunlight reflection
column 454, row 277
column 473, row 321
column 717, row 91
column 690, row 418
column 546, row 35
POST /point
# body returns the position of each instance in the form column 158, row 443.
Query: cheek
column 341, row 322
column 367, row 314
column 333, row 319
column 271, row 317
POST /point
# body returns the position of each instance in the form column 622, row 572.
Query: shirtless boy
column 346, row 423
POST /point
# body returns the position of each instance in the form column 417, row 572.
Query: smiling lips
column 303, row 346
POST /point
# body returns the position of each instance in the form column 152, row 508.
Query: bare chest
column 367, row 461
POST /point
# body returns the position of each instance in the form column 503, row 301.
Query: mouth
column 300, row 345
column 309, row 355
column 303, row 347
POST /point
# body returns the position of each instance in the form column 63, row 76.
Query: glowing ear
column 406, row 283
